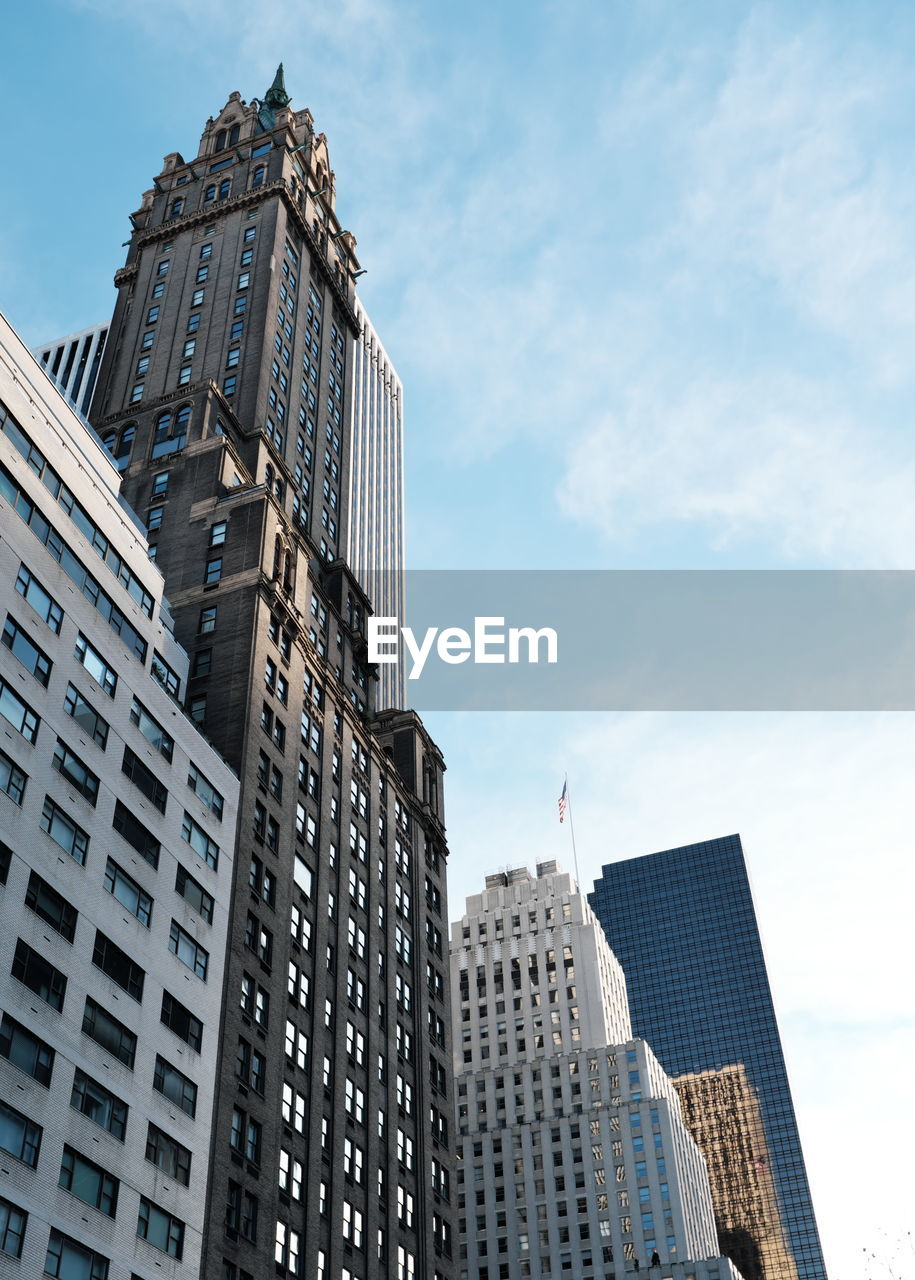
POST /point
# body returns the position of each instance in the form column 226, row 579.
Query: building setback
column 684, row 927
column 224, row 398
column 574, row 1158
column 117, row 834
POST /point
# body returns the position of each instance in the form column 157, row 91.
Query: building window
column 25, row 1050
column 200, row 842
column 188, row 951
column 12, row 779
column 151, row 730
column 258, row 176
column 126, row 890
column 64, row 831
column 104, row 675
column 99, row 1105
column 144, row 779
column 179, row 1019
column 39, row 975
column 193, row 322
column 12, row 1228
column 35, row 595
column 205, row 791
column 51, row 906
column 161, row 1229
column 168, row 1155
column 88, row 1182
column 202, row 273
column 170, row 433
column 244, row 279
column 159, row 485
column 197, row 708
column 194, row 893
column 184, row 375
column 152, row 315
column 213, row 571
column 203, row 661
column 232, row 357
column 229, row 384
column 68, row 1260
column 118, row 965
column 176, row 1086
column 19, row 714
column 177, row 206
column 111, row 1034
column 136, row 834
column 197, row 298
column 22, row 647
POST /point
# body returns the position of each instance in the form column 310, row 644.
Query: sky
column 647, row 271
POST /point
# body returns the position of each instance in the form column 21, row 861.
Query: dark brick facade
column 337, row 971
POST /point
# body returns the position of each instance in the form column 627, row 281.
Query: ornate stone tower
column 223, row 398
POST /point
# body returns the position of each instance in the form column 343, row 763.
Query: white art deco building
column 117, row 830
column 574, row 1160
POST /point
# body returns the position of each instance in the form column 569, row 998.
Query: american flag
column 563, row 801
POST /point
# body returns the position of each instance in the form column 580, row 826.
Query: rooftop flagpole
column 565, row 806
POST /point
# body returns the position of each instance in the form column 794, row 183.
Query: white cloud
column 795, row 174
column 772, row 408
column 771, row 458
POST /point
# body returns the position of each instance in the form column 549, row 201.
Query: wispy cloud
column 776, row 460
column 772, row 410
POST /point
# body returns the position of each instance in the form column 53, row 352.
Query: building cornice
column 201, row 217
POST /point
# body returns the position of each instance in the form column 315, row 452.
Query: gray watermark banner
column 503, row 640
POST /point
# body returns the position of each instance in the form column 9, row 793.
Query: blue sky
column 647, row 271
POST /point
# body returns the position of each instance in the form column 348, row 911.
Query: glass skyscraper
column 683, row 927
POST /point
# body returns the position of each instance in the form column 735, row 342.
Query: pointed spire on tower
column 276, row 96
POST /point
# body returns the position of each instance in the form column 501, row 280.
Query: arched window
column 268, row 477
column 170, row 433
column 257, row 178
column 177, row 206
column 233, row 134
column 118, row 443
column 224, row 188
column 210, row 193
column 221, row 140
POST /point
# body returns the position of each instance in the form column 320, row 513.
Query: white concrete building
column 375, row 537
column 72, row 363
column 117, row 830
column 574, row 1160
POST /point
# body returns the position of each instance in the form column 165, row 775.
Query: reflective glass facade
column 682, row 925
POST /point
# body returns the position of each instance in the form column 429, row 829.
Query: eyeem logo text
column 489, row 642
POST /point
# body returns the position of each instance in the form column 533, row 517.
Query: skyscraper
column 117, row 834
column 683, row 925
column 375, row 532
column 575, row 1158
column 224, row 398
